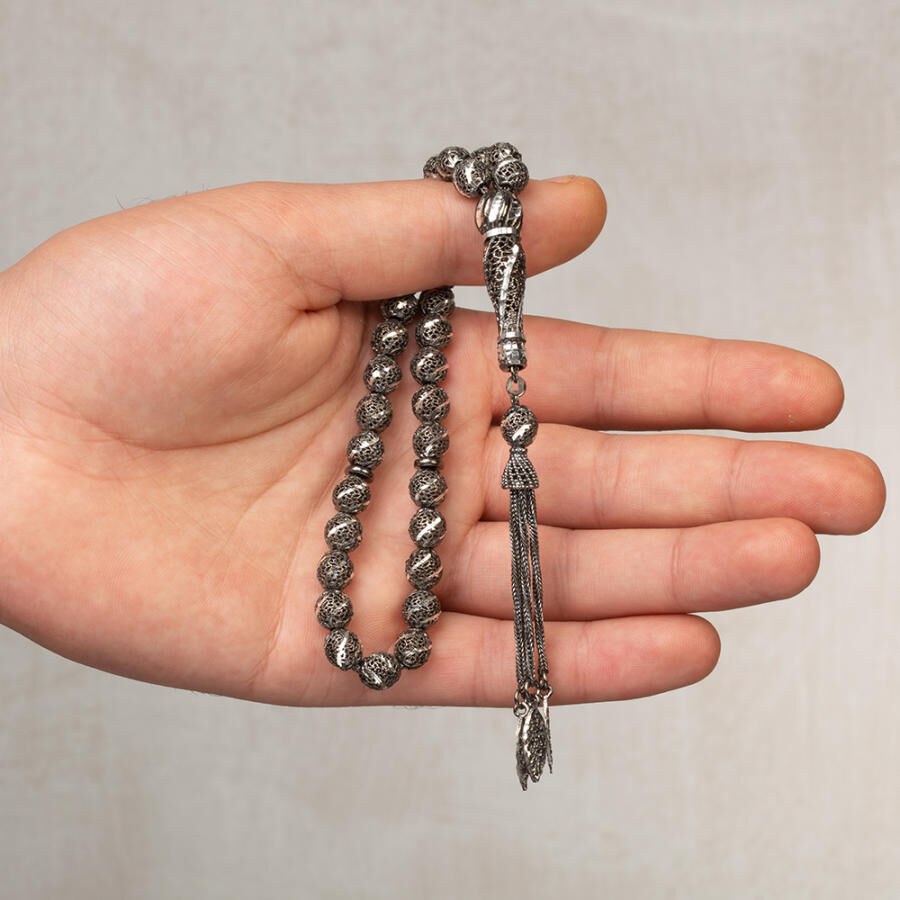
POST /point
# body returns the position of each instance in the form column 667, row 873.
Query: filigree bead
column 343, row 648
column 448, row 159
column 374, row 412
column 412, row 648
column 334, row 609
column 428, row 366
column 434, row 331
column 430, row 440
column 403, row 308
column 438, row 301
column 389, row 337
column 471, row 175
column 430, row 403
column 428, row 488
column 351, row 495
column 379, row 671
column 427, row 527
column 335, row 570
column 511, row 174
column 504, row 150
column 430, row 169
column 518, row 426
column 424, row 568
column 382, row 375
column 365, row 449
column 343, row 532
column 421, row 609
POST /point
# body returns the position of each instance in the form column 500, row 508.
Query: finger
column 591, row 575
column 599, row 377
column 381, row 239
column 596, row 480
column 472, row 663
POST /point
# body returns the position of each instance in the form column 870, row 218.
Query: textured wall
column 749, row 152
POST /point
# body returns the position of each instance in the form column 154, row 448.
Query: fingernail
column 563, row 179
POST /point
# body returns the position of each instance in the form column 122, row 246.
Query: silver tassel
column 533, row 747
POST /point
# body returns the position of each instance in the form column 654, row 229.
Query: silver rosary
column 495, row 175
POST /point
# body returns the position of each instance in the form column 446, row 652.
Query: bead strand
column 427, row 488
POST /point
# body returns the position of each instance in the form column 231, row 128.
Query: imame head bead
column 518, row 426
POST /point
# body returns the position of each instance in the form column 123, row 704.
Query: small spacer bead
column 359, row 471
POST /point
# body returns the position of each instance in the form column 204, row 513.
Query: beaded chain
column 494, row 174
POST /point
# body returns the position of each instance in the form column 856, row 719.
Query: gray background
column 749, row 152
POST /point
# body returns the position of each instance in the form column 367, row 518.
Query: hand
column 177, row 384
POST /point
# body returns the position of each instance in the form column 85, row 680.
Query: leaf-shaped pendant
column 531, row 747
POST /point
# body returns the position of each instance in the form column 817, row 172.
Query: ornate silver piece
column 495, row 174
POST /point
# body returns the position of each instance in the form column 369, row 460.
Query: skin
column 177, row 385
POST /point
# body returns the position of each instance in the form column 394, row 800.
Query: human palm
column 177, row 384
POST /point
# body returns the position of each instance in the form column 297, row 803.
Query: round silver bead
column 412, row 648
column 424, row 568
column 427, row 488
column 434, row 331
column 403, row 308
column 421, row 609
column 504, row 150
column 335, row 570
column 374, row 412
column 382, row 375
column 430, row 169
column 437, row 301
column 351, row 495
column 389, row 337
column 498, row 209
column 430, row 440
column 343, row 648
column 334, row 609
column 430, row 403
column 518, row 426
column 427, row 528
column 471, row 175
column 365, row 449
column 428, row 366
column 511, row 174
column 343, row 532
column 448, row 159
column 379, row 671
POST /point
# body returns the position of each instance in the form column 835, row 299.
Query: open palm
column 177, row 385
